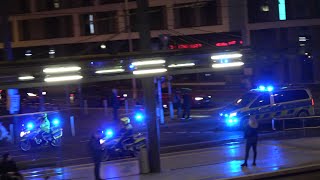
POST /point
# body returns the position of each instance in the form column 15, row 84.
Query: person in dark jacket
column 96, row 152
column 177, row 103
column 251, row 136
column 8, row 167
column 186, row 105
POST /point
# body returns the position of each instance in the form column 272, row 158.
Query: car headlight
column 198, row 98
column 233, row 114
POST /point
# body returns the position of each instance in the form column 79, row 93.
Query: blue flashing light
column 226, row 115
column 56, row 122
column 262, row 88
column 131, row 66
column 270, row 88
column 221, row 114
column 232, row 122
column 30, row 126
column 109, row 133
column 139, row 117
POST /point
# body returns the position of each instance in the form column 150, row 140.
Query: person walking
column 186, row 105
column 96, row 152
column 251, row 136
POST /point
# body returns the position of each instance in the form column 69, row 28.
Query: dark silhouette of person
column 115, row 104
column 96, row 152
column 251, row 136
column 186, row 105
column 8, row 168
column 177, row 103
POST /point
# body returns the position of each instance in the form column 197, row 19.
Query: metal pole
column 126, row 105
column 170, row 98
column 105, row 105
column 128, row 27
column 148, row 85
column 160, row 106
column 72, row 126
column 41, row 100
column 80, row 95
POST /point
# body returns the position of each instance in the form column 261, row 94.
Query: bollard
column 85, row 105
column 11, row 133
column 126, row 106
column 144, row 161
column 73, row 130
column 105, row 105
column 171, row 110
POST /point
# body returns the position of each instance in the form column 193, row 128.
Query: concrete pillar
column 15, row 30
column 294, row 70
column 76, row 25
column 245, row 32
column 96, row 2
column 170, row 15
column 121, row 21
column 33, row 6
column 280, row 71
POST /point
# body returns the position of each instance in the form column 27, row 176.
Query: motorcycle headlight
column 198, row 98
column 102, row 141
column 23, row 133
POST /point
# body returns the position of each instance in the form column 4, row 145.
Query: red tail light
column 312, row 102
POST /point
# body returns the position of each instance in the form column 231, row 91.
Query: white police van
column 266, row 103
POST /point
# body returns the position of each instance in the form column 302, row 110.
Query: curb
column 279, row 173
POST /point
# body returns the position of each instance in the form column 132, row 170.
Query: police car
column 266, row 103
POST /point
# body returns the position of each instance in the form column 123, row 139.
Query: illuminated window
column 282, row 10
column 91, row 24
column 56, row 4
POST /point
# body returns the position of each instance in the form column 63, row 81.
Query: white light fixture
column 28, row 53
column 149, row 71
column 63, row 78
column 146, row 63
column 302, row 39
column 61, row 69
column 26, row 78
column 181, row 65
column 125, row 95
column 109, row 71
column 226, row 65
column 31, row 94
column 44, row 93
column 103, row 46
column 226, row 56
column 52, row 52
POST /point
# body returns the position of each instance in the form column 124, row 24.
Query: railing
column 310, row 122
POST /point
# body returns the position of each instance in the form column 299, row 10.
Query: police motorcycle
column 31, row 136
column 113, row 148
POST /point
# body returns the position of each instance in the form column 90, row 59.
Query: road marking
column 181, row 132
column 167, row 132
